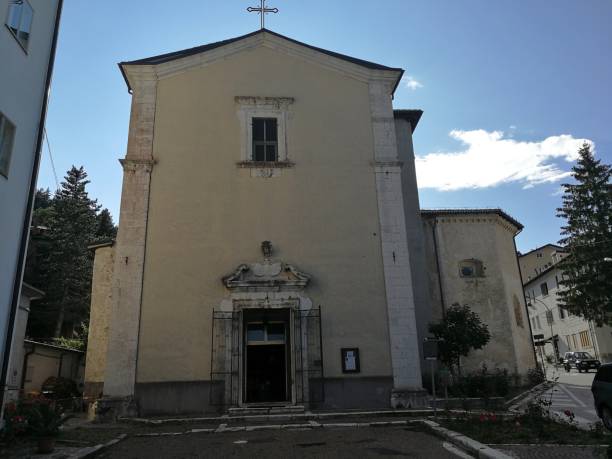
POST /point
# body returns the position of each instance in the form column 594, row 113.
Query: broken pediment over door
column 266, row 276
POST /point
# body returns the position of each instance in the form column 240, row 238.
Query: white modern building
column 569, row 332
column 28, row 40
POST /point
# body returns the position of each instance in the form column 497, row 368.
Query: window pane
column 276, row 332
column 7, row 133
column 26, row 24
column 271, row 130
column 255, row 332
column 258, row 129
column 270, row 152
column 14, row 15
column 259, row 152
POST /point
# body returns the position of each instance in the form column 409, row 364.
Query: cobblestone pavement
column 371, row 442
column 552, row 452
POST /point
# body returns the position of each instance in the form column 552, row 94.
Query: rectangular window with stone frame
column 7, row 136
column 549, row 318
column 19, row 21
column 265, row 139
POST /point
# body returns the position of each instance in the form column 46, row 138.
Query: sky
column 509, row 88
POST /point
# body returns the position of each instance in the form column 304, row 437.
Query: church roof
column 162, row 58
column 501, row 213
column 412, row 116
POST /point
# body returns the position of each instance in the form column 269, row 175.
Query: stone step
column 265, row 410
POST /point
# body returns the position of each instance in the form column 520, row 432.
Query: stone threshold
column 306, row 416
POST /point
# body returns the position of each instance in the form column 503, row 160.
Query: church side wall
column 99, row 318
column 207, row 216
column 464, row 238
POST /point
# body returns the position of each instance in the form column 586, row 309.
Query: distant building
column 27, row 48
column 537, row 260
column 33, row 362
column 569, row 332
column 14, row 380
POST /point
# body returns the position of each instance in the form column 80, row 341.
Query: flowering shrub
column 16, row 422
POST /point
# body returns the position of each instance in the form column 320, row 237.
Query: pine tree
column 587, row 236
column 106, row 229
column 63, row 270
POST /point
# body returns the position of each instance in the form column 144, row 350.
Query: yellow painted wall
column 207, row 216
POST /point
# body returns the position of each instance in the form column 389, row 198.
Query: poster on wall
column 350, row 360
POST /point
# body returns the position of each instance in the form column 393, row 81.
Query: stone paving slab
column 553, row 451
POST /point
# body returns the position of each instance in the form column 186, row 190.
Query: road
column 572, row 392
column 321, row 443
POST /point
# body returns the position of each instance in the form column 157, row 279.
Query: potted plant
column 44, row 421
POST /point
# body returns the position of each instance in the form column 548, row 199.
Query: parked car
column 602, row 394
column 583, row 361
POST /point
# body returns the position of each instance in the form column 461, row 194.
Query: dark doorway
column 267, row 359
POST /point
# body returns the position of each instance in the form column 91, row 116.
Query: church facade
column 271, row 249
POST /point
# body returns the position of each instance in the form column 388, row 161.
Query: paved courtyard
column 372, row 442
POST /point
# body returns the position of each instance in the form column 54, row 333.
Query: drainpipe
column 535, row 355
column 435, row 242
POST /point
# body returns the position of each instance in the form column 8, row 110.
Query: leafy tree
column 587, row 236
column 460, row 331
column 59, row 262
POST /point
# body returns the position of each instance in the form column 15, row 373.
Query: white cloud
column 412, row 83
column 489, row 159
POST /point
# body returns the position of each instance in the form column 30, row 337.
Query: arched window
column 471, row 268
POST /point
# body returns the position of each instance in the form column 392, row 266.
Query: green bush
column 535, row 376
column 482, row 384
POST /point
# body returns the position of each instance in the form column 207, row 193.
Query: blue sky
column 508, row 87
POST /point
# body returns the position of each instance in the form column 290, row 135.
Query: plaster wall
column 15, row 370
column 489, row 239
column 414, row 231
column 22, row 88
column 99, row 319
column 207, row 215
column 45, row 362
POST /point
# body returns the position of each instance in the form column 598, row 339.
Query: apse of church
column 268, row 236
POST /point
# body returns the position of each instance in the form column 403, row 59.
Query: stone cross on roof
column 262, row 10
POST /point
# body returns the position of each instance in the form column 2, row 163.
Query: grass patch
column 522, row 430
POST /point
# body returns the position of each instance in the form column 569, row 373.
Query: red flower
column 483, row 418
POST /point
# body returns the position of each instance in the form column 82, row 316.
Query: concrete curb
column 91, row 450
column 513, row 404
column 466, row 443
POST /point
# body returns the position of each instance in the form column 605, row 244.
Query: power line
column 57, row 185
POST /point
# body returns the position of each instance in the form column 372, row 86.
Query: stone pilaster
column 120, row 377
column 404, row 342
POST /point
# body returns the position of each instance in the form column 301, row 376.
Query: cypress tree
column 587, row 236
